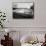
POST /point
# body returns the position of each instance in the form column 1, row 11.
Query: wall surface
column 25, row 26
column 39, row 14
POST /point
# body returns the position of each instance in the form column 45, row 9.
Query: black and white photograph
column 23, row 10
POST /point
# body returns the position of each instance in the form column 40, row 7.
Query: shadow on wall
column 16, row 43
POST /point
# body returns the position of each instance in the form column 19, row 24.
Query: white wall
column 5, row 6
column 25, row 26
column 39, row 14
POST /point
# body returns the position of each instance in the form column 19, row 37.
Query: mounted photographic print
column 23, row 10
